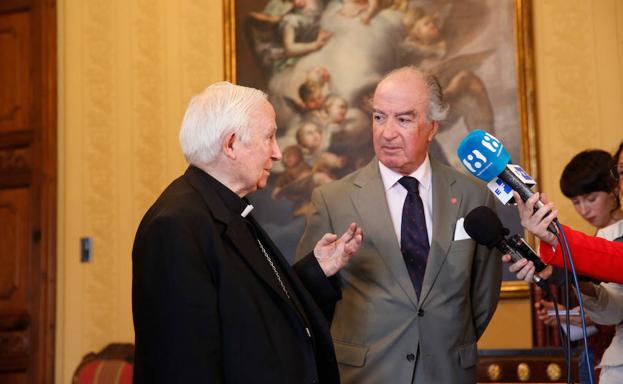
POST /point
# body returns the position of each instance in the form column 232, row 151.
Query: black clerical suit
column 207, row 305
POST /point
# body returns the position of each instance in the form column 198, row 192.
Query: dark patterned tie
column 413, row 234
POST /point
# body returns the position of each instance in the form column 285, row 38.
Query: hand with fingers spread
column 537, row 221
column 334, row 253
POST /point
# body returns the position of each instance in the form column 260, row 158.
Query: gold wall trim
column 524, row 56
column 229, row 24
column 515, row 290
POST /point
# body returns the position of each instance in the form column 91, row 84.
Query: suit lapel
column 371, row 205
column 236, row 231
column 446, row 202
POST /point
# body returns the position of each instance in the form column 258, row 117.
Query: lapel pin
column 453, row 200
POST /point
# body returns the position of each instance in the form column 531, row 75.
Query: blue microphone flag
column 483, row 155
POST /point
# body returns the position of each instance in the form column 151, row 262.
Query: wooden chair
column 112, row 365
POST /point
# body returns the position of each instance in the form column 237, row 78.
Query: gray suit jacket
column 379, row 323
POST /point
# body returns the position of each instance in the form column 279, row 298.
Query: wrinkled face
column 310, row 136
column 255, row 157
column 426, row 29
column 337, row 111
column 400, row 131
column 595, row 207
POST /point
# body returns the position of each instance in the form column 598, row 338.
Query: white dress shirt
column 395, row 194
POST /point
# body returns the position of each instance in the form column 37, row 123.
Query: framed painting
column 320, row 60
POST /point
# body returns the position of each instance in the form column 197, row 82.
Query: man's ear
column 433, row 131
column 228, row 146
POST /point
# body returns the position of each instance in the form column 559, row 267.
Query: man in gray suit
column 420, row 292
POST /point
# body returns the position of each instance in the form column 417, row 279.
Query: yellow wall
column 579, row 65
column 510, row 326
column 127, row 70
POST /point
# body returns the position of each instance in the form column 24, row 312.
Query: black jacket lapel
column 285, row 268
column 236, row 232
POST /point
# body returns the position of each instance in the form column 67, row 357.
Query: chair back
column 112, row 365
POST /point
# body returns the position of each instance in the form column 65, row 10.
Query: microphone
column 485, row 157
column 484, row 226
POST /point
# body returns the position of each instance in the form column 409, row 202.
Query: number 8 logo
column 490, row 142
column 474, row 161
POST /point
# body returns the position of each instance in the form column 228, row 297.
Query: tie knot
column 410, row 184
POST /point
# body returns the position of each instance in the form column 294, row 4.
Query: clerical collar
column 247, row 210
column 234, row 203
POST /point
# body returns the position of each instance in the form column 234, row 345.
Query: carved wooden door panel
column 27, row 190
column 14, row 311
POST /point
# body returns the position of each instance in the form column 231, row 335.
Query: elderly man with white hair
column 213, row 299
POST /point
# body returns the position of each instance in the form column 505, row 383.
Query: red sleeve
column 592, row 256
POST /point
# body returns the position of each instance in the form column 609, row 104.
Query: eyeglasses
column 617, row 171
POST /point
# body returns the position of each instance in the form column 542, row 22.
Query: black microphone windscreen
column 484, row 226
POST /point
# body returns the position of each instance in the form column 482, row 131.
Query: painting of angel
column 320, row 60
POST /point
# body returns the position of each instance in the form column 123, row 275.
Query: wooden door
column 27, row 190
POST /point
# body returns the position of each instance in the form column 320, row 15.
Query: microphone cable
column 566, row 348
column 567, row 324
column 564, row 341
column 566, row 253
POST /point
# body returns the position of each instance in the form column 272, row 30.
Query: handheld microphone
column 485, row 157
column 484, row 226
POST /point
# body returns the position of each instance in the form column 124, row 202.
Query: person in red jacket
column 592, row 256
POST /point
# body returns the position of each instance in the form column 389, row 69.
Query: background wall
column 579, row 64
column 126, row 72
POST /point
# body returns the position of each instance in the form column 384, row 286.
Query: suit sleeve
column 592, row 256
column 318, row 223
column 486, row 282
column 175, row 306
column 325, row 291
column 607, row 307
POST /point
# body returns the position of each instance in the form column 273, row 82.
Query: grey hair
column 437, row 109
column 220, row 109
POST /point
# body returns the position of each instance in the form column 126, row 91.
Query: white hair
column 222, row 108
column 437, row 109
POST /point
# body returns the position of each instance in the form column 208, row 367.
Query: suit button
column 410, row 357
column 420, row 312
